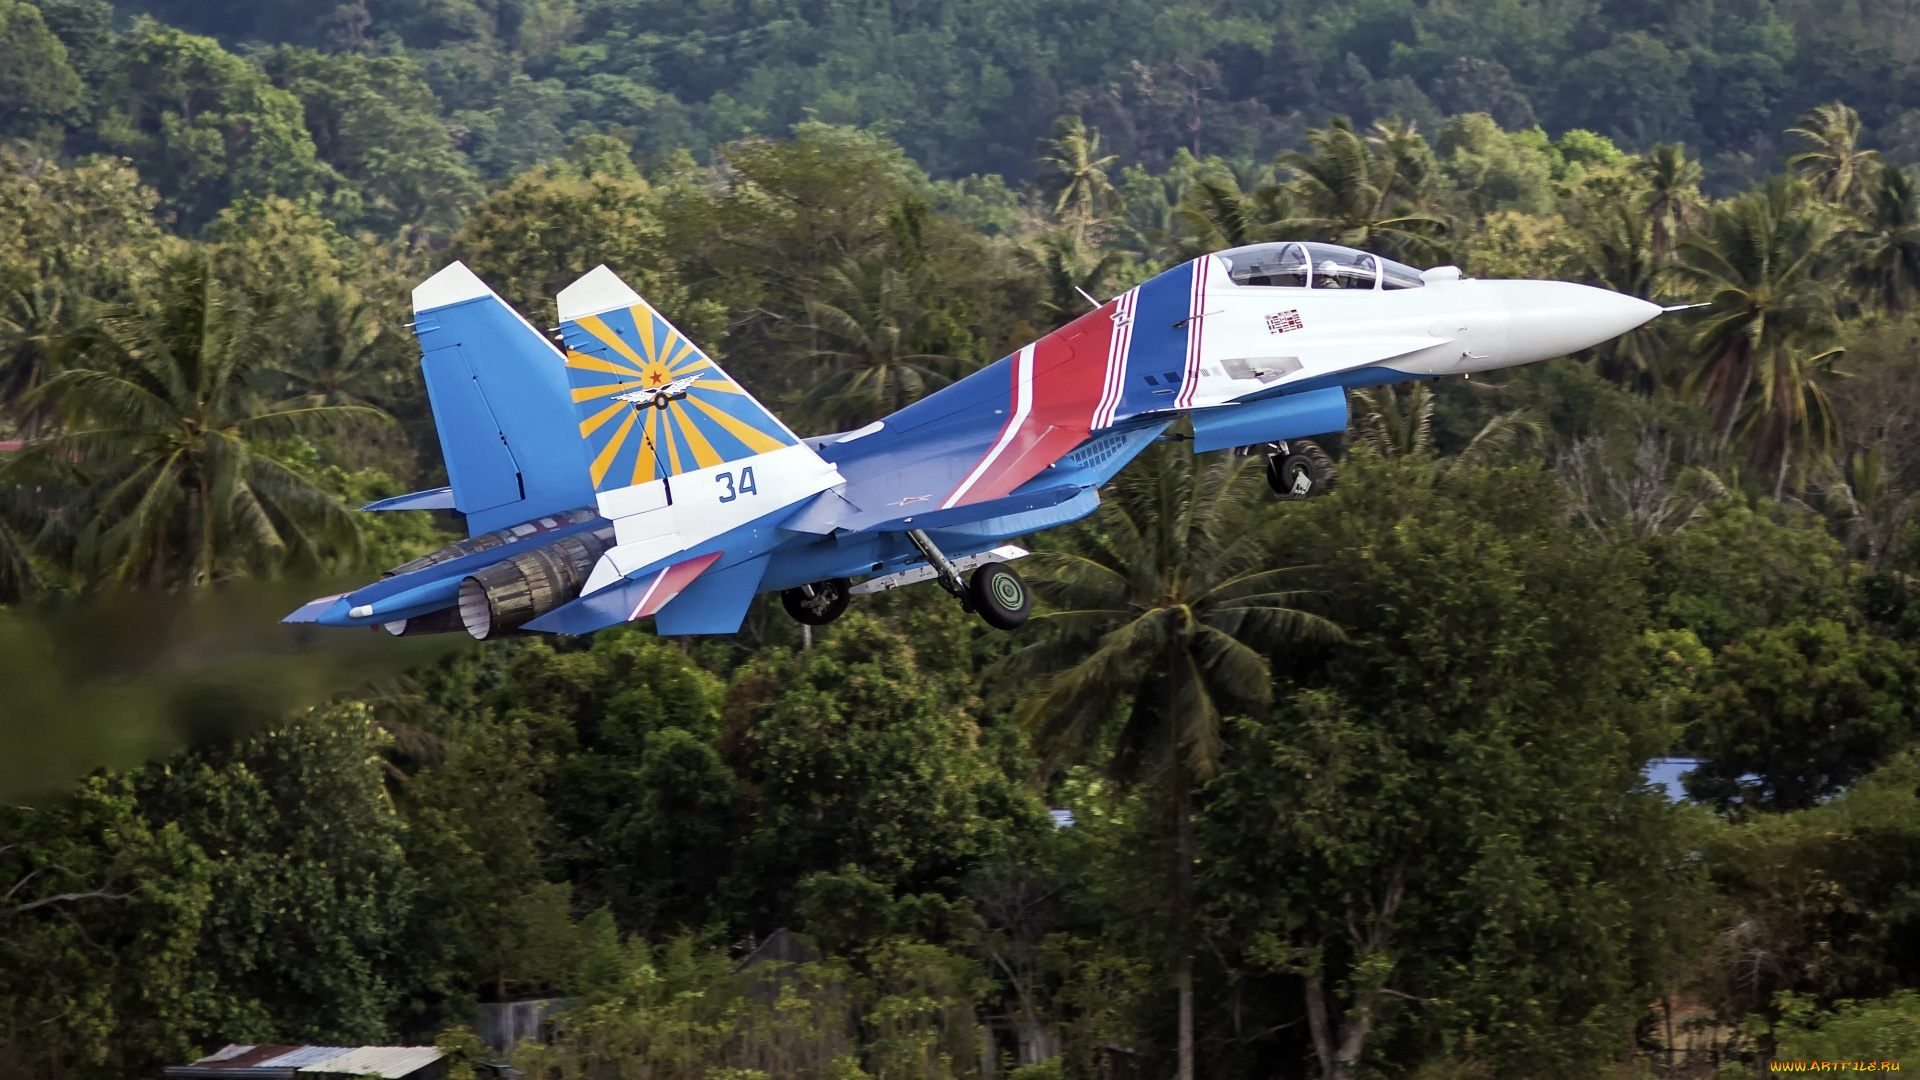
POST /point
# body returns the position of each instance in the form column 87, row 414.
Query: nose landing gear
column 1300, row 472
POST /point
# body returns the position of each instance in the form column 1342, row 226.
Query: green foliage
column 1818, row 902
column 102, row 922
column 1498, row 170
column 549, row 227
column 1422, row 849
column 375, row 121
column 37, row 85
column 294, row 820
column 203, row 126
column 857, row 759
column 1880, row 1030
column 1420, row 837
column 1792, row 714
column 1739, row 567
column 169, row 450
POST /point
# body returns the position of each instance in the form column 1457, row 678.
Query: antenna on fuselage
column 1089, row 296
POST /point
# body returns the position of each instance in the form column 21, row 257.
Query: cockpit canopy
column 1317, row 266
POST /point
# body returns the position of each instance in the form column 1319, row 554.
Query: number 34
column 746, row 484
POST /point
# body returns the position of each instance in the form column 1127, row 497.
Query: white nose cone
column 1556, row 318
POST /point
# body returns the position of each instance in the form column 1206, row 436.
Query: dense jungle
column 1404, row 825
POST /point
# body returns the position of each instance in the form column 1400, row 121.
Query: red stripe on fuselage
column 1067, row 379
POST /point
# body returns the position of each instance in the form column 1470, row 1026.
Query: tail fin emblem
column 651, row 403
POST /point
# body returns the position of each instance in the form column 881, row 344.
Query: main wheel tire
column 1000, row 596
column 819, row 603
column 1296, row 476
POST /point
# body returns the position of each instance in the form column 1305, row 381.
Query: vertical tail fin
column 650, row 403
column 500, row 401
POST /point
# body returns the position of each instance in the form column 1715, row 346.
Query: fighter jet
column 623, row 475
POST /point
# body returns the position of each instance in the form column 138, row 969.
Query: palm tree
column 1766, row 333
column 872, row 332
column 1670, row 193
column 170, row 443
column 1869, row 508
column 1216, row 213
column 1075, row 164
column 1069, row 269
column 35, row 340
column 1619, row 249
column 339, row 357
column 1354, row 191
column 1389, row 426
column 1885, row 243
column 1163, row 602
column 1834, row 164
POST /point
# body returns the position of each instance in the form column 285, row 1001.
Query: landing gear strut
column 995, row 591
column 1297, row 472
column 819, row 603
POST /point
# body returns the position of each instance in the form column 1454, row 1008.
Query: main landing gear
column 819, row 603
column 994, row 590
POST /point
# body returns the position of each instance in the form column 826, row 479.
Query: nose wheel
column 1297, row 473
column 819, row 603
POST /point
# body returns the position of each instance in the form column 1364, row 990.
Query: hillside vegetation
column 1356, row 784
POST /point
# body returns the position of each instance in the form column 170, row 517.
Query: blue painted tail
column 501, row 404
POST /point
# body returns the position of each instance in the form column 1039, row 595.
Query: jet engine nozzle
column 1558, row 318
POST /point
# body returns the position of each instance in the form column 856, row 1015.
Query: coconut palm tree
column 1074, row 163
column 35, row 340
column 871, row 331
column 1767, row 331
column 342, row 354
column 1869, row 508
column 1349, row 190
column 1069, row 270
column 170, row 444
column 1619, row 250
column 1391, row 426
column 1884, row 244
column 1217, row 213
column 1834, row 163
column 1162, row 604
column 1669, row 193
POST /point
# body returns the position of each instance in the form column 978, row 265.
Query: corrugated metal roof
column 392, row 1062
column 237, row 1059
column 302, row 1056
column 263, row 1062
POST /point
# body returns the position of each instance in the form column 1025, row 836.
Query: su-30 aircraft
column 627, row 476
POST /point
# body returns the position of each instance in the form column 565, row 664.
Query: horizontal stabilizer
column 624, row 601
column 715, row 604
column 313, row 609
column 437, row 499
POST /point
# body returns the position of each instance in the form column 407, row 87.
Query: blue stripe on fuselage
column 1157, row 355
